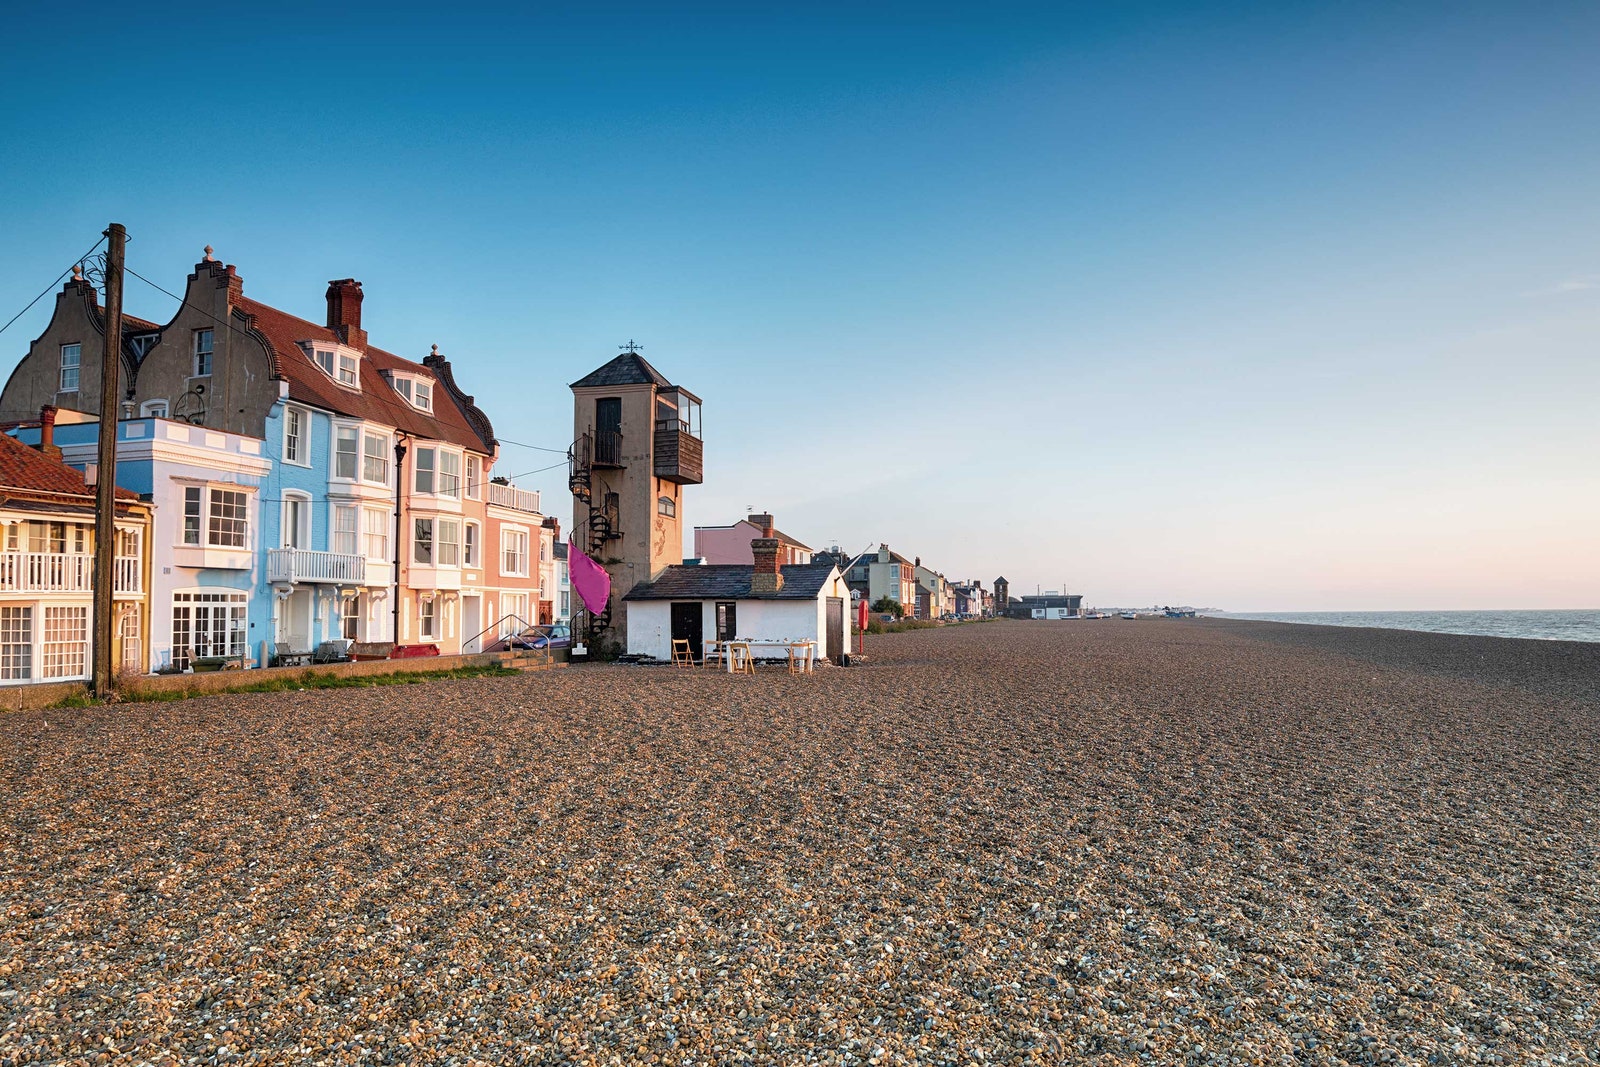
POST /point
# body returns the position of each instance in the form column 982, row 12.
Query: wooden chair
column 716, row 652
column 744, row 661
column 682, row 654
column 799, row 658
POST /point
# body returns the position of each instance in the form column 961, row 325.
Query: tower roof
column 630, row 368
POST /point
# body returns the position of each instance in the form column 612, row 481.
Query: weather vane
column 631, row 346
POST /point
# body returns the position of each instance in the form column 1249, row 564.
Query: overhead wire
column 53, row 284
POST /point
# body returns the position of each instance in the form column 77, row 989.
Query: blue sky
column 1256, row 306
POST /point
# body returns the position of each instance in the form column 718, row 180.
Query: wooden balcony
column 65, row 572
column 300, row 565
column 679, row 455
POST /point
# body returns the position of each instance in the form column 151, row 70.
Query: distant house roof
column 731, row 581
column 561, row 550
column 455, row 418
column 630, row 368
column 31, row 471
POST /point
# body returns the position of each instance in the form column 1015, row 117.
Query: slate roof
column 561, row 550
column 454, row 420
column 29, row 470
column 731, row 581
column 630, row 368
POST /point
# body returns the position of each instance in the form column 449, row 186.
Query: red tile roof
column 455, row 419
column 30, row 470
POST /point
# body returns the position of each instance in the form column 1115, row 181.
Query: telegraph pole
column 105, row 526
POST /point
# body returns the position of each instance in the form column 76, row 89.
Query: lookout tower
column 636, row 444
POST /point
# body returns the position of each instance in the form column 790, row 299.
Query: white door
column 299, row 608
column 471, row 623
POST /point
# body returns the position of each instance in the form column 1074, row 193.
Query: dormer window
column 417, row 391
column 338, row 363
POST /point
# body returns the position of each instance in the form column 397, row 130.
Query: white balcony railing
column 64, row 572
column 509, row 496
column 301, row 565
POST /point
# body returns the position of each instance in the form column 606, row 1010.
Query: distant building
column 731, row 544
column 1002, row 595
column 1047, row 606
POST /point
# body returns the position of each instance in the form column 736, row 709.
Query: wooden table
column 806, row 648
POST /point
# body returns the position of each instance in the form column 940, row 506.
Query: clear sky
column 1268, row 306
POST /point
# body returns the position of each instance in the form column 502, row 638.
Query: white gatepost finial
column 209, row 257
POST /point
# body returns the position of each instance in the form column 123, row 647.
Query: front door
column 472, row 622
column 835, row 632
column 686, row 621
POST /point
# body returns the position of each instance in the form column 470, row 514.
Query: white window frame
column 354, row 439
column 422, row 395
column 64, row 641
column 325, row 360
column 424, row 538
column 214, row 521
column 376, row 534
column 431, row 470
column 447, row 543
column 449, row 474
column 428, row 617
column 204, row 351
column 349, row 374
column 296, row 438
column 153, row 409
column 511, row 550
column 199, row 506
column 344, row 541
column 16, row 642
column 76, row 367
column 382, row 456
column 471, row 544
column 474, row 486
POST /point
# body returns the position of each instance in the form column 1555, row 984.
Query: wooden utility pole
column 105, row 518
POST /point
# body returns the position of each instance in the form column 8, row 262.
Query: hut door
column 686, row 626
column 835, row 635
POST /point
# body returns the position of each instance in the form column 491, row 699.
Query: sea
column 1571, row 625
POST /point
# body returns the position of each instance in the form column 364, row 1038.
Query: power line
column 53, row 284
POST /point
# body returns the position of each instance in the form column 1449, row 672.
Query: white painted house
column 206, row 558
column 706, row 602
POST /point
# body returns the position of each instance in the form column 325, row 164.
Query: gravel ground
column 1121, row 842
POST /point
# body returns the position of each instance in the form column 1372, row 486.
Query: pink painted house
column 731, row 544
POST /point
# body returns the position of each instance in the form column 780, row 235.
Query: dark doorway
column 686, row 626
column 835, row 633
column 727, row 620
column 608, row 431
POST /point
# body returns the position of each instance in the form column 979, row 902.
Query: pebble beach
column 1123, row 842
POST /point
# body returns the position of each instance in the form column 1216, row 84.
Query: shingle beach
column 1193, row 841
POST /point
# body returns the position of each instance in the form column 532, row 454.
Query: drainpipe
column 399, row 502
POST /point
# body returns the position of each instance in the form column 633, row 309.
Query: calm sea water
column 1578, row 625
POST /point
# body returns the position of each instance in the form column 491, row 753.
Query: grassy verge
column 298, row 682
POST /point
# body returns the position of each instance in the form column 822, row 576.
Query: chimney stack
column 767, row 578
column 47, row 432
column 344, row 311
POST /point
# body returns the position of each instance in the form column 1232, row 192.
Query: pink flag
column 590, row 580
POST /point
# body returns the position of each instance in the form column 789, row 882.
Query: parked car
column 551, row 635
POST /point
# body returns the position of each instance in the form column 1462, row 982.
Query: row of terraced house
column 282, row 484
